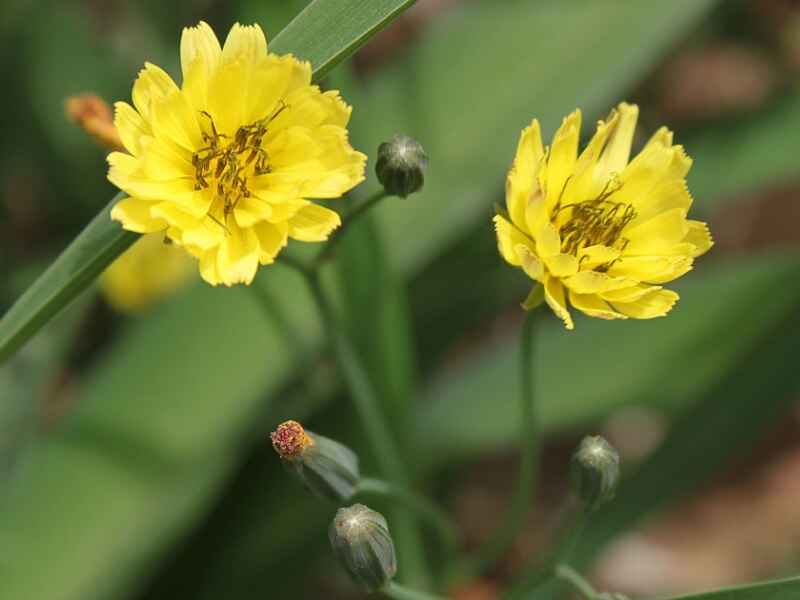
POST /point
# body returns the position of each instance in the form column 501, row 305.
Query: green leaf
column 717, row 320
column 312, row 36
column 74, row 270
column 780, row 589
column 732, row 158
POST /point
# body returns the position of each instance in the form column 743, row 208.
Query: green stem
column 434, row 515
column 530, row 443
column 362, row 392
column 577, row 581
column 398, row 592
column 350, row 218
column 546, row 570
column 366, row 403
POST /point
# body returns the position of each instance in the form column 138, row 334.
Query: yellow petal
column 658, row 235
column 152, row 85
column 664, row 195
column 313, row 223
column 245, row 43
column 556, row 300
column 237, row 259
column 618, row 149
column 532, row 266
column 310, row 108
column 271, row 238
column 208, row 266
column 651, row 269
column 508, row 239
column 699, row 236
column 200, row 58
column 522, row 180
column 654, row 304
column 318, row 163
column 629, row 294
column 585, row 183
column 594, row 306
column 134, row 214
column 131, row 127
column 561, row 265
column 561, row 161
column 594, row 282
column 249, row 211
column 175, row 118
column 593, row 256
column 548, row 241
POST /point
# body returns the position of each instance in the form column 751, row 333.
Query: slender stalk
column 398, row 592
column 577, row 581
column 366, row 403
column 546, row 570
column 351, row 217
column 426, row 509
column 363, row 394
column 530, row 443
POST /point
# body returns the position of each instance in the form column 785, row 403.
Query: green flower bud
column 401, row 166
column 327, row 468
column 595, row 471
column 361, row 541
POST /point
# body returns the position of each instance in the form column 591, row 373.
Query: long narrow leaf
column 85, row 258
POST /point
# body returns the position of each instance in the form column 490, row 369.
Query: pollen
column 290, row 440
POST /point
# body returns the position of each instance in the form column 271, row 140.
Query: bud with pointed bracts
column 595, row 471
column 361, row 541
column 401, row 166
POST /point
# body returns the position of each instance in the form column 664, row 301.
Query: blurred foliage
column 157, row 483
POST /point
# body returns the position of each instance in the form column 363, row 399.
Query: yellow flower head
column 145, row 273
column 597, row 231
column 225, row 164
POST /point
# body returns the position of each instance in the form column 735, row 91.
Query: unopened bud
column 92, row 114
column 595, row 471
column 327, row 468
column 361, row 541
column 401, row 166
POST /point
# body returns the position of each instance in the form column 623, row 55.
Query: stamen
column 229, row 165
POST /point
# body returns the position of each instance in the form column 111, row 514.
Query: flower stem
column 398, row 592
column 546, row 571
column 435, row 516
column 571, row 576
column 530, row 442
column 365, row 400
column 351, row 217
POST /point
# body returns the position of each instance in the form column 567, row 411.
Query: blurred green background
column 133, row 453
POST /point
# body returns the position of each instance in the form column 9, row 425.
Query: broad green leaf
column 583, row 375
column 324, row 33
column 735, row 412
column 732, row 158
column 75, row 269
column 782, row 589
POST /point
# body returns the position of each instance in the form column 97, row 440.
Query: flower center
column 598, row 221
column 226, row 163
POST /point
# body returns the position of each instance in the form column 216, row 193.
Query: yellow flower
column 225, row 164
column 597, row 231
column 147, row 272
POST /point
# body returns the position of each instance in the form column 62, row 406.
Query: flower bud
column 327, row 468
column 595, row 471
column 361, row 541
column 401, row 166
